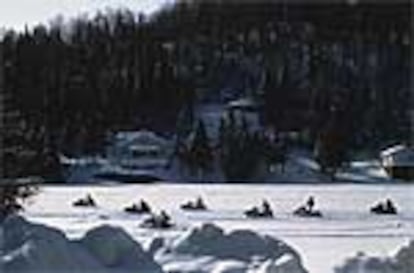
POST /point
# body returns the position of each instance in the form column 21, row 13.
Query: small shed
column 398, row 161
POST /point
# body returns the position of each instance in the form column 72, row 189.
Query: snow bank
column 301, row 166
column 240, row 244
column 28, row 247
column 34, row 248
column 114, row 248
column 402, row 262
column 209, row 249
column 285, row 264
column 230, row 267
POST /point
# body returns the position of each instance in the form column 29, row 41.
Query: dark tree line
column 75, row 82
column 239, row 153
column 243, row 152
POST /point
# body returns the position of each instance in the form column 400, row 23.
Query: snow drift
column 30, row 248
column 209, row 249
column 402, row 262
column 33, row 248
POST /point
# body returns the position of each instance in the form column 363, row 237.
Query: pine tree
column 12, row 191
column 236, row 140
column 201, row 151
column 331, row 146
column 12, row 195
column 115, row 72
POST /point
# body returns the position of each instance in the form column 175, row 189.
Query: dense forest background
column 335, row 69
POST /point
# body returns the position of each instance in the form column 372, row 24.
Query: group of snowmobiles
column 163, row 220
column 265, row 211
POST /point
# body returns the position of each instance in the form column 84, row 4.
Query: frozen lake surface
column 346, row 228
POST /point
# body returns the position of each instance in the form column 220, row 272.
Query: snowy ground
column 346, row 229
column 301, row 167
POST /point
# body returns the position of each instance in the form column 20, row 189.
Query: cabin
column 139, row 150
column 248, row 108
column 131, row 156
column 136, row 156
column 398, row 162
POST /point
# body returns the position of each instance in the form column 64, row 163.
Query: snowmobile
column 255, row 212
column 307, row 209
column 384, row 208
column 302, row 211
column 198, row 205
column 142, row 208
column 162, row 221
column 85, row 202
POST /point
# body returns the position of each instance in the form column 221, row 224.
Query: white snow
column 302, row 168
column 287, row 263
column 115, row 249
column 401, row 262
column 34, row 248
column 346, row 228
column 229, row 267
column 210, row 249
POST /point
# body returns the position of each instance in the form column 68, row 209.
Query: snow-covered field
column 346, row 228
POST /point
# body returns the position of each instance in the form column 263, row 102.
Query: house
column 139, row 149
column 131, row 156
column 398, row 162
column 248, row 109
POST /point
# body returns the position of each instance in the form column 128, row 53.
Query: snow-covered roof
column 85, row 160
column 392, row 150
column 142, row 137
column 243, row 103
column 399, row 155
column 144, row 148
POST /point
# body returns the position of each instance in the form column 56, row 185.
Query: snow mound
column 114, row 248
column 229, row 267
column 30, row 248
column 210, row 240
column 209, row 249
column 285, row 264
column 402, row 262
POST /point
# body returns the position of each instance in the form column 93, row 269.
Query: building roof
column 142, row 137
column 399, row 155
column 243, row 103
column 392, row 150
